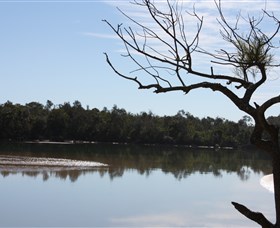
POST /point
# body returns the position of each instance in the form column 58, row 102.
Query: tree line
column 35, row 121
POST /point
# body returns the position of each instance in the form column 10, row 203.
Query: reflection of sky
column 202, row 200
column 132, row 200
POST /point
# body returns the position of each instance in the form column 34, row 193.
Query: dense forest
column 64, row 122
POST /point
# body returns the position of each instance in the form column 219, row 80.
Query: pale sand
column 267, row 182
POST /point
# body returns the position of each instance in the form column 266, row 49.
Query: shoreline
column 75, row 142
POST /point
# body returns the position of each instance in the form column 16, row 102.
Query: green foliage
column 252, row 54
column 35, row 121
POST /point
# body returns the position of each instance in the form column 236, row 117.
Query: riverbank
column 69, row 142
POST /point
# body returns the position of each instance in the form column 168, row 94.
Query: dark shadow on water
column 178, row 161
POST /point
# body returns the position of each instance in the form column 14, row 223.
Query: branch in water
column 255, row 216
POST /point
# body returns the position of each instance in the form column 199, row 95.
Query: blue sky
column 53, row 50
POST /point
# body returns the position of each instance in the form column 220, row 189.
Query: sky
column 54, row 50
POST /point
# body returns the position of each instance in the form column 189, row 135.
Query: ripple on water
column 22, row 162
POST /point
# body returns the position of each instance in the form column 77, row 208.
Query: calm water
column 143, row 186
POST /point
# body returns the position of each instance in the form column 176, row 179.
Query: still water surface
column 143, row 186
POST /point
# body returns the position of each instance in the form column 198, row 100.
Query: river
column 140, row 186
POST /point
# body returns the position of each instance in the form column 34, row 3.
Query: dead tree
column 249, row 54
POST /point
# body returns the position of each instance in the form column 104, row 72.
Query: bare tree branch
column 171, row 68
column 255, row 216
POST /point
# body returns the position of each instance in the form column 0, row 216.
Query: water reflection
column 62, row 174
column 180, row 162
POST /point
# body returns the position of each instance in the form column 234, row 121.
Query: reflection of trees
column 45, row 176
column 244, row 173
column 178, row 161
column 62, row 174
column 116, row 172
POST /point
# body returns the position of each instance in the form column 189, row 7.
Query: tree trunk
column 257, row 216
column 276, row 179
